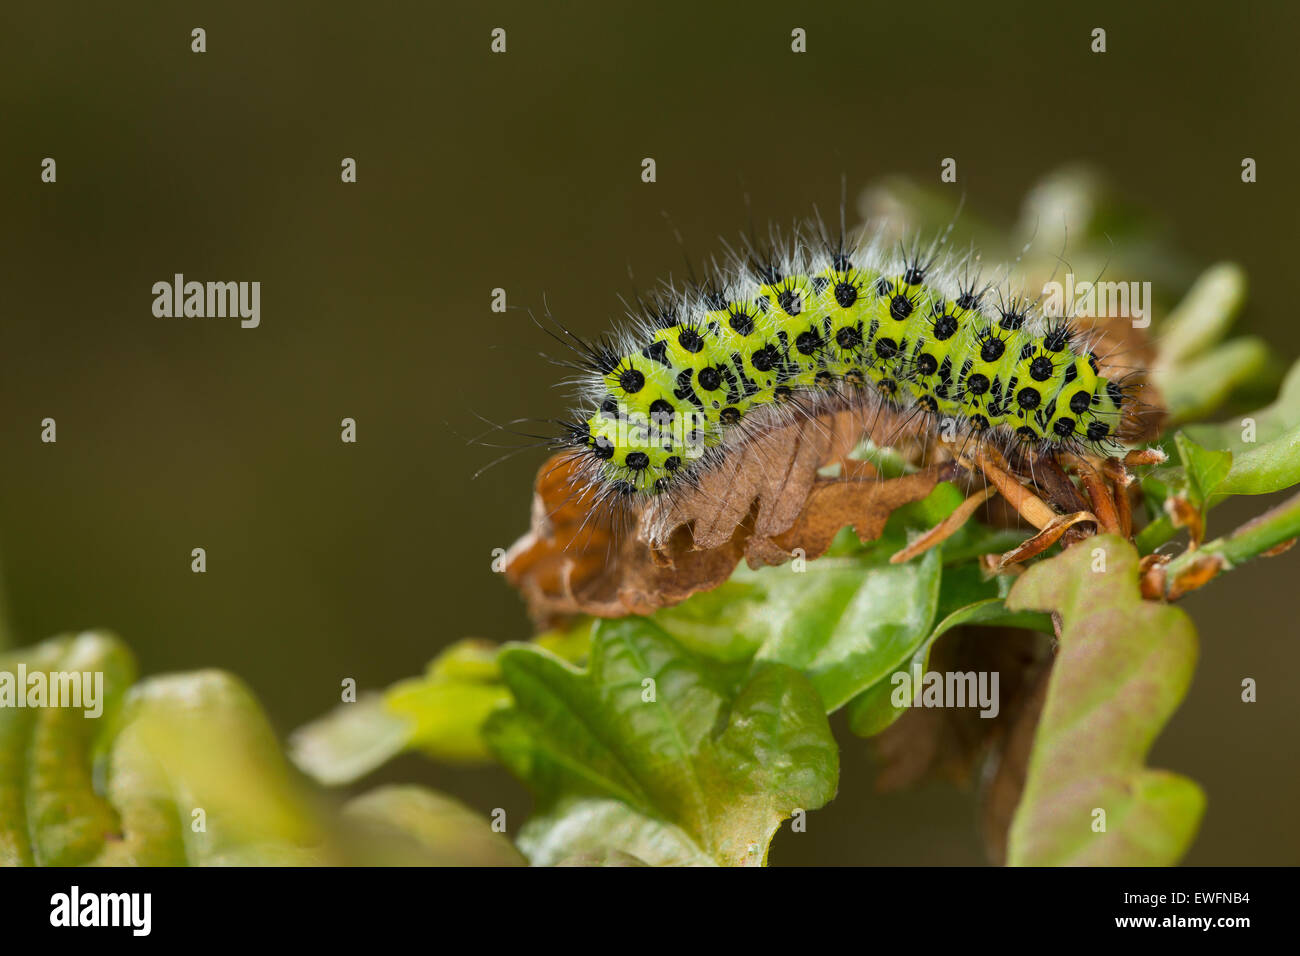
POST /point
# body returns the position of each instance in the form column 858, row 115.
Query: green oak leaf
column 1271, row 467
column 1204, row 469
column 1196, row 374
column 440, row 713
column 131, row 787
column 851, row 620
column 417, row 826
column 709, row 623
column 1202, row 384
column 602, row 858
column 966, row 598
column 184, row 769
column 843, row 621
column 1122, row 668
column 580, row 830
column 1265, row 425
column 1270, row 461
column 1265, row 447
column 49, row 810
column 845, row 626
column 1204, row 315
column 1203, row 472
column 664, row 755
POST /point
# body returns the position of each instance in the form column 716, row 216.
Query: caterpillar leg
column 1030, row 507
column 1051, row 526
column 1064, row 515
column 1100, row 497
column 1119, row 477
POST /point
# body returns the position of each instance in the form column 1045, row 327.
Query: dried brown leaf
column 1144, row 456
column 574, row 560
column 1058, row 488
column 1009, row 765
column 1279, row 549
column 763, row 502
column 1203, row 569
column 834, row 504
column 952, row 742
column 771, row 476
column 1183, row 514
column 1044, row 539
column 1151, row 574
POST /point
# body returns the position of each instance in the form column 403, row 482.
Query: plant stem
column 1272, row 528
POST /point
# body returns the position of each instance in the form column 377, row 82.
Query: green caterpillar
column 813, row 329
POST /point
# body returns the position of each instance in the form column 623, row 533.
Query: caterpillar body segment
column 821, row 330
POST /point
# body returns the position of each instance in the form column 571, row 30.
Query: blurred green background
column 522, row 171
